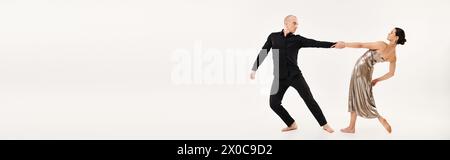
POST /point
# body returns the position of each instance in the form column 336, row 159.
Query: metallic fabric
column 360, row 98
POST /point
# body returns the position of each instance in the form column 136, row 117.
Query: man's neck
column 285, row 32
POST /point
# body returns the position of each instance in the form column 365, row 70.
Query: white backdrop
column 116, row 69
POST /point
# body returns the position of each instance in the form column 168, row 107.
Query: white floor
column 199, row 115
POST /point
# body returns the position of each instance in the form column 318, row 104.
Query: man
column 287, row 73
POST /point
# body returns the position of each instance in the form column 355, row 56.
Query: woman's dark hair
column 401, row 36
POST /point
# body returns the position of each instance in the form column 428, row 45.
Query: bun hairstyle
column 401, row 36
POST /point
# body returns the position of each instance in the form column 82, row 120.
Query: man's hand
column 339, row 45
column 252, row 75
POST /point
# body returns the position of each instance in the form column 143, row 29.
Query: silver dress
column 360, row 98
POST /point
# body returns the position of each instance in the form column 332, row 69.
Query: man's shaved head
column 289, row 18
column 290, row 23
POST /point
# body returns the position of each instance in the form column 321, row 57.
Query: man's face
column 291, row 24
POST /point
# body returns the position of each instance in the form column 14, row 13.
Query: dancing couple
column 285, row 46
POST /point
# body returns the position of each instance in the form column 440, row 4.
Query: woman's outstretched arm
column 369, row 45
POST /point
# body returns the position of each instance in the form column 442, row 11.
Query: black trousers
column 297, row 81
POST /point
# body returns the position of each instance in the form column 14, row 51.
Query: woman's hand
column 339, row 45
column 374, row 82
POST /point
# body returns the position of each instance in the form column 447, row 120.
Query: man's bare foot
column 290, row 128
column 386, row 125
column 348, row 130
column 328, row 128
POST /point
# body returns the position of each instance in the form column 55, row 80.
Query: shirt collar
column 288, row 35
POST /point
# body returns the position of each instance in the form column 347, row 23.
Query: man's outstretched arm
column 306, row 42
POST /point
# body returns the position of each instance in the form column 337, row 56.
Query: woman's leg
column 385, row 124
column 351, row 126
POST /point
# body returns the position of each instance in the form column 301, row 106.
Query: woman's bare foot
column 348, row 130
column 328, row 128
column 290, row 128
column 385, row 124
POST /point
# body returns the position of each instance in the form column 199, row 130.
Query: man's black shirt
column 285, row 52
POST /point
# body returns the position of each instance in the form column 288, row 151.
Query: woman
column 361, row 102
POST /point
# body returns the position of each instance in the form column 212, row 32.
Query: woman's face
column 391, row 36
